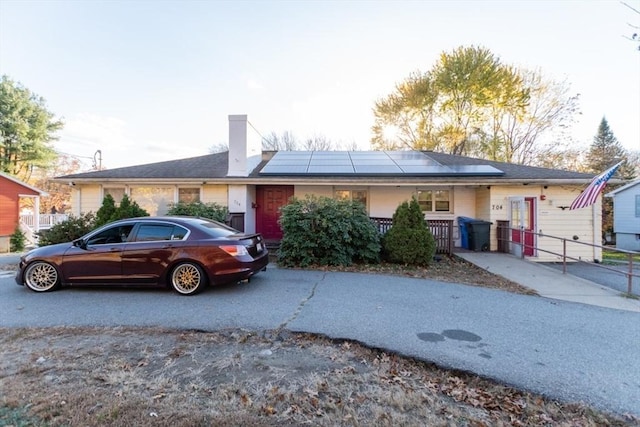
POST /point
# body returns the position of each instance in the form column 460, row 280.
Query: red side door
column 269, row 200
column 523, row 222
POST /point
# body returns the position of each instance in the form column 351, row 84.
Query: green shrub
column 106, row 211
column 324, row 231
column 203, row 210
column 17, row 241
column 72, row 228
column 409, row 240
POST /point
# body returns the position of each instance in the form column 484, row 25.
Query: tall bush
column 324, row 231
column 127, row 209
column 108, row 212
column 17, row 241
column 204, row 210
column 409, row 240
column 72, row 228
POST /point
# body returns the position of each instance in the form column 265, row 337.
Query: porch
column 42, row 221
column 31, row 224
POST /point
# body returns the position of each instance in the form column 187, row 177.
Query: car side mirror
column 80, row 243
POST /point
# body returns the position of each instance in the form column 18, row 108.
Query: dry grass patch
column 446, row 269
column 155, row 377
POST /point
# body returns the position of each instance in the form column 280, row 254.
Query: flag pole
column 595, row 231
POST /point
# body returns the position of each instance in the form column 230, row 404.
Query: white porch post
column 36, row 209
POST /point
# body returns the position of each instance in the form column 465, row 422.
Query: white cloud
column 253, row 84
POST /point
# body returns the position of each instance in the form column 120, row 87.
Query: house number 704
column 496, row 207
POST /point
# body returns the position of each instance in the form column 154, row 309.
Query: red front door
column 270, row 199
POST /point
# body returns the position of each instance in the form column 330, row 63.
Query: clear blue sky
column 147, row 81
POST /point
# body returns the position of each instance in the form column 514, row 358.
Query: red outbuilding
column 12, row 190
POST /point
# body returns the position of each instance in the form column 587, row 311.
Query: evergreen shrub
column 212, row 210
column 409, row 241
column 325, row 231
column 17, row 241
column 66, row 231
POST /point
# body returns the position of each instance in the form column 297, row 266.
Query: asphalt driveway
column 613, row 276
column 568, row 351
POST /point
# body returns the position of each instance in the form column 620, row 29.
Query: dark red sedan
column 186, row 253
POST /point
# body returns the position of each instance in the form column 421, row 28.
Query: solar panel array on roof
column 346, row 163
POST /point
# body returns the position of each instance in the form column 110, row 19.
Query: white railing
column 46, row 220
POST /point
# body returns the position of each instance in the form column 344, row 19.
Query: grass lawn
column 609, row 255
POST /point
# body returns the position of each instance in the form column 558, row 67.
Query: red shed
column 11, row 191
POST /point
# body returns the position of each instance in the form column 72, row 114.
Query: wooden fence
column 442, row 230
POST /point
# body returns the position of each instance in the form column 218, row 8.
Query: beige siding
column 385, row 200
column 483, row 203
column 464, row 202
column 85, row 199
column 551, row 220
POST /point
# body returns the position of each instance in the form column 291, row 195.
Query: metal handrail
column 630, row 254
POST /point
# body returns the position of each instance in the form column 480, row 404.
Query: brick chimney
column 245, row 148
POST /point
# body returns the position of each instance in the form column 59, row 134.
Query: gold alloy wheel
column 187, row 279
column 41, row 277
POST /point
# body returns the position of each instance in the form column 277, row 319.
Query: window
column 353, row 195
column 154, row 200
column 111, row 235
column 637, row 205
column 154, row 232
column 116, row 193
column 188, row 195
column 434, row 200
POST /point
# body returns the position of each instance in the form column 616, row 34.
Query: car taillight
column 235, row 250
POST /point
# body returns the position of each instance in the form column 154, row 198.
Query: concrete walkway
column 550, row 282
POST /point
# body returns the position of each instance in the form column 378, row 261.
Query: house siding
column 626, row 224
column 10, row 205
column 85, row 199
column 550, row 220
column 624, row 204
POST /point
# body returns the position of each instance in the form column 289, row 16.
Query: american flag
column 590, row 194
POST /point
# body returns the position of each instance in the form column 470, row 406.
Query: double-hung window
column 188, row 195
column 435, row 200
column 353, row 195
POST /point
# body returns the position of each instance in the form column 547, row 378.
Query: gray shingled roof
column 211, row 166
column 214, row 166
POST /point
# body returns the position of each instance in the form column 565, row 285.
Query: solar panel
column 378, row 169
column 329, row 169
column 368, row 163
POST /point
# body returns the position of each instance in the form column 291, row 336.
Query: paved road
column 569, row 351
column 597, row 273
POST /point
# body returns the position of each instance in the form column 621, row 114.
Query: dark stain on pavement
column 458, row 335
column 430, row 337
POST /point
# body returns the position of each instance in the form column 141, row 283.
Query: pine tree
column 606, row 151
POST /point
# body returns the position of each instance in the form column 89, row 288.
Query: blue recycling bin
column 464, row 231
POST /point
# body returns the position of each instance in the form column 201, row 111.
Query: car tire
column 41, row 277
column 187, row 278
